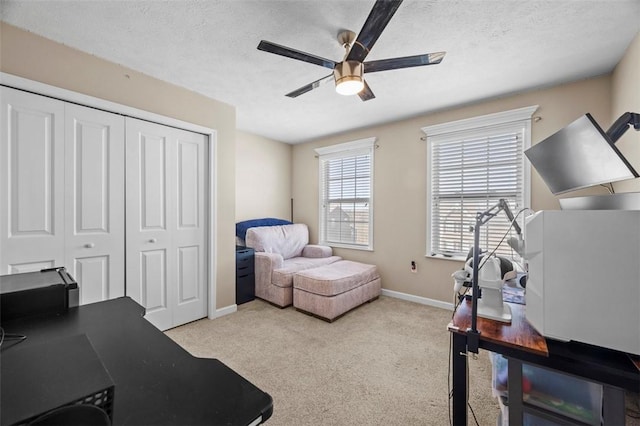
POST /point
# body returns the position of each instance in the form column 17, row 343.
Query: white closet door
column 31, row 182
column 95, row 202
column 189, row 235
column 166, row 224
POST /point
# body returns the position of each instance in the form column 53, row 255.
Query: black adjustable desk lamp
column 473, row 335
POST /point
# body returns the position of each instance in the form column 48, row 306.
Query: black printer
column 34, row 293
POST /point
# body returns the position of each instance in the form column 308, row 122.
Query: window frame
column 486, row 124
column 345, row 150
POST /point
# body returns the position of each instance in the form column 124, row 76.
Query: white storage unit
column 582, row 283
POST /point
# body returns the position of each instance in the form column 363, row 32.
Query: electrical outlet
column 414, row 267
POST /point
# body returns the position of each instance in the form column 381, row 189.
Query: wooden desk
column 518, row 334
column 156, row 381
column 520, row 342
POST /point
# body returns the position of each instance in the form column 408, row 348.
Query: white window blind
column 345, row 190
column 470, row 171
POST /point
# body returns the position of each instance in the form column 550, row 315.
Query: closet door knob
column 89, row 245
column 153, row 240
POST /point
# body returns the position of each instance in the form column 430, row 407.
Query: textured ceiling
column 494, row 48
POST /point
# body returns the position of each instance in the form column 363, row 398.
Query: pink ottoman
column 331, row 290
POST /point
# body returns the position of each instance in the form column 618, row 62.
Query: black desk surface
column 156, row 381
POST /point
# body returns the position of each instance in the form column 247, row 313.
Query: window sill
column 347, row 246
column 442, row 257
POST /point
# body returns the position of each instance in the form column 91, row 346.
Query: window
column 471, row 165
column 346, row 194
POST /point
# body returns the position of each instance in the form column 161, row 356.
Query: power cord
column 486, row 257
column 459, row 297
column 609, row 188
column 19, row 338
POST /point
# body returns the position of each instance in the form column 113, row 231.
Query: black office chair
column 74, row 415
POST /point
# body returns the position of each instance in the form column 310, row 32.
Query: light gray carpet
column 384, row 363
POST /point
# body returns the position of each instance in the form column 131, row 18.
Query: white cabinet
column 61, row 183
column 71, row 197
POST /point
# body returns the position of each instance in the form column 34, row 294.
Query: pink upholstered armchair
column 280, row 252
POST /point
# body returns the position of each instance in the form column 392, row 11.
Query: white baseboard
column 226, row 311
column 390, row 293
column 418, row 299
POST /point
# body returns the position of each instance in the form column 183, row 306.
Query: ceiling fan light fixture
column 348, row 76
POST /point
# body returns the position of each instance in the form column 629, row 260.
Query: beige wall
column 625, row 93
column 263, row 178
column 400, row 162
column 401, row 175
column 27, row 55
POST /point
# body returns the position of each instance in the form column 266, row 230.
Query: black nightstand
column 245, row 277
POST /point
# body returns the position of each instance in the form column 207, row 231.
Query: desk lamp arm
column 473, row 335
column 505, row 207
column 622, row 124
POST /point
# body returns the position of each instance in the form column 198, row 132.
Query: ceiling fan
column 348, row 74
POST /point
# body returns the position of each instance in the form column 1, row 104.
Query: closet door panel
column 95, row 202
column 31, row 182
column 150, row 257
column 92, row 275
column 153, row 181
column 153, row 287
column 32, row 176
column 18, row 268
column 189, row 197
column 166, row 201
column 190, row 231
column 188, row 279
column 91, row 177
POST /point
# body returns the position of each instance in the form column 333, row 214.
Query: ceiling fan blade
column 404, row 62
column 310, row 86
column 267, row 46
column 379, row 17
column 366, row 93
